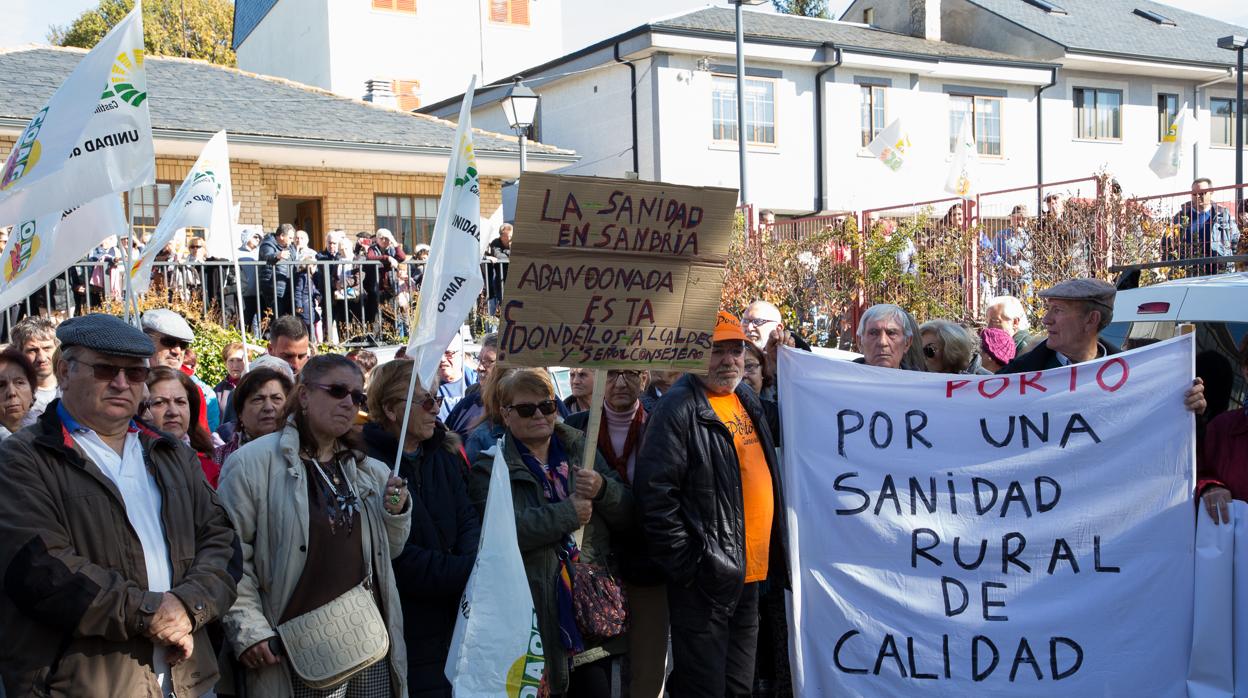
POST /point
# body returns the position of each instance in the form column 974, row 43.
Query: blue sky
column 29, row 19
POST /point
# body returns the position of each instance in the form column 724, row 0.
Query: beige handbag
column 328, row 645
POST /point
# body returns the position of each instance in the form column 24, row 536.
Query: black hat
column 106, row 334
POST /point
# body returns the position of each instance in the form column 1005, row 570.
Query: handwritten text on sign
column 991, row 535
column 615, row 273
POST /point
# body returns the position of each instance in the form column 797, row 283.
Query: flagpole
column 129, row 298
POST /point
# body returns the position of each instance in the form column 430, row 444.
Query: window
column 510, row 11
column 1222, row 121
column 1156, row 17
column 1167, row 112
column 1098, row 114
column 868, row 16
column 760, row 110
column 410, row 218
column 985, row 115
column 406, row 6
column 872, row 112
column 147, row 204
column 406, row 94
column 1047, row 6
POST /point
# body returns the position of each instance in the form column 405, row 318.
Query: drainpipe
column 1040, row 139
column 632, row 92
column 1230, row 72
column 820, row 198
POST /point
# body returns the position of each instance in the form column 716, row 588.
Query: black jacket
column 268, row 252
column 435, row 564
column 687, row 483
column 1042, row 358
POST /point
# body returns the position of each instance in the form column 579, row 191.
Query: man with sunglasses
column 172, row 336
column 115, row 551
column 709, row 498
column 1205, row 230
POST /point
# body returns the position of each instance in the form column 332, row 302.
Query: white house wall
column 292, row 41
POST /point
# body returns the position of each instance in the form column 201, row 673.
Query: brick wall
column 346, row 195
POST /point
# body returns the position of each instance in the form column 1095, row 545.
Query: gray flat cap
column 106, row 334
column 1091, row 290
column 270, row 361
column 168, row 323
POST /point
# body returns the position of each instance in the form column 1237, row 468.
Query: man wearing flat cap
column 709, row 499
column 1076, row 312
column 172, row 336
column 114, row 552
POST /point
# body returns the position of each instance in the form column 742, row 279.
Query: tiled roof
column 1112, row 26
column 810, row 30
column 189, row 95
column 247, row 16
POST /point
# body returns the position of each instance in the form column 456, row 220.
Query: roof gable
column 1113, row 27
column 196, row 96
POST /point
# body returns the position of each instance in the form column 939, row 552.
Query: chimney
column 380, row 92
column 925, row 19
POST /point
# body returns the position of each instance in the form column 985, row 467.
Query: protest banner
column 891, row 146
column 1219, row 666
column 615, row 273
column 1025, row 535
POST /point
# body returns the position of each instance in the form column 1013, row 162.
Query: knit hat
column 998, row 344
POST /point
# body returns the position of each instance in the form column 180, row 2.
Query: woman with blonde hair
column 950, row 348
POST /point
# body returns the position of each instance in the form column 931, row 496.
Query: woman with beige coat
column 313, row 516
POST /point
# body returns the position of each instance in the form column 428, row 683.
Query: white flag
column 83, row 145
column 891, row 146
column 961, row 179
column 41, row 248
column 201, row 202
column 496, row 650
column 1169, row 156
column 452, row 278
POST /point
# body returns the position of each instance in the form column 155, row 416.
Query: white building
column 659, row 101
column 423, row 50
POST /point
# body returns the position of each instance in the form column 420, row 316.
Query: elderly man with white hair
column 886, row 335
column 1007, row 313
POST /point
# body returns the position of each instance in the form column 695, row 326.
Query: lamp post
column 520, row 106
column 741, row 139
column 1237, row 43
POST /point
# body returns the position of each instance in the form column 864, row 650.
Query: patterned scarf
column 619, row 462
column 553, row 478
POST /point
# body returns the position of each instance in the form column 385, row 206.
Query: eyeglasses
column 929, row 350
column 526, row 409
column 756, row 321
column 339, row 391
column 171, row 343
column 431, row 404
column 628, row 376
column 107, row 372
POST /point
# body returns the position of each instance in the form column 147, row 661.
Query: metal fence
column 342, row 302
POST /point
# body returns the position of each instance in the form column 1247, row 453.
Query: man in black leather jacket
column 709, row 498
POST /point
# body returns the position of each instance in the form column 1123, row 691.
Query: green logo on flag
column 121, row 82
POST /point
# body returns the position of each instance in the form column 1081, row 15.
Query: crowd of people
column 269, row 536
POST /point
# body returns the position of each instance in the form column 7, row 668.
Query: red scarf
column 620, row 462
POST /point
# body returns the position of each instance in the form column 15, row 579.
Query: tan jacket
column 75, row 601
column 263, row 488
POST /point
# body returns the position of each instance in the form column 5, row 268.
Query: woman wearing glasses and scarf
column 319, row 524
column 554, row 496
column 439, row 554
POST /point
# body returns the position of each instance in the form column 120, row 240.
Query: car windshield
column 1217, row 357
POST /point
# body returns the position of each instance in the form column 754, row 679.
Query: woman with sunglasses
column 260, row 401
column 317, row 521
column 173, row 406
column 442, row 547
column 950, row 348
column 554, row 495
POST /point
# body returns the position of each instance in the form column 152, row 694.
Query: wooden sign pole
column 590, row 454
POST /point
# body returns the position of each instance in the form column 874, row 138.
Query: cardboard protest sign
column 1020, row 535
column 615, row 273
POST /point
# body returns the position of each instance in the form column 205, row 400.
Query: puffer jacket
column 542, row 526
column 263, row 488
column 75, row 599
column 439, row 554
column 688, row 487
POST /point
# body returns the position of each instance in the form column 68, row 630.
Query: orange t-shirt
column 756, row 492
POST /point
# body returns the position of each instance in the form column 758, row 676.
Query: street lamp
column 1237, row 43
column 520, row 106
column 741, row 139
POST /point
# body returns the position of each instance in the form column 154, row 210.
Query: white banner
column 203, row 201
column 84, row 144
column 891, row 146
column 1219, row 667
column 496, row 650
column 961, row 179
column 1169, row 156
column 1023, row 535
column 452, row 278
column 42, row 248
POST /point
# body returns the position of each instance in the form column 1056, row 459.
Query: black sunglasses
column 170, row 343
column 107, row 372
column 929, row 351
column 526, row 409
column 339, row 391
column 431, row 403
